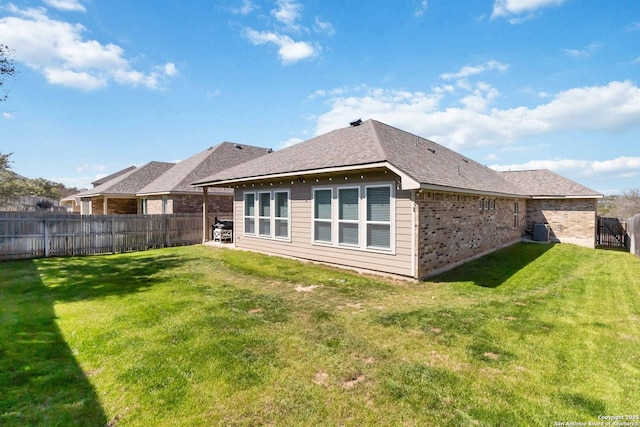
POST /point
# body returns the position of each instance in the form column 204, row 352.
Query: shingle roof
column 112, row 176
column 178, row 179
column 131, row 182
column 370, row 143
column 544, row 183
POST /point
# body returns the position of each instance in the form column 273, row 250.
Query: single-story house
column 377, row 198
column 73, row 203
column 165, row 188
column 172, row 192
column 118, row 195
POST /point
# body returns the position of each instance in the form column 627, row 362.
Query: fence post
column 167, row 238
column 113, row 233
column 46, row 238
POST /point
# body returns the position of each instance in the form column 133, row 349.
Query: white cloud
column 66, row 5
column 554, row 164
column 518, row 10
column 400, row 108
column 581, row 53
column 58, row 50
column 246, row 8
column 468, row 71
column 623, row 166
column 7, row 115
column 469, row 120
column 421, row 8
column 78, row 80
column 290, row 142
column 287, row 13
column 286, row 25
column 320, row 26
column 289, row 51
column 86, row 167
column 633, row 27
column 170, row 69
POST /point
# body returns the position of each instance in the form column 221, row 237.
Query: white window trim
column 245, row 216
column 262, row 218
column 362, row 221
column 278, row 218
column 390, row 223
column 314, row 219
column 348, row 221
column 272, row 215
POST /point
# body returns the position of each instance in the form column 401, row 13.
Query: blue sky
column 513, row 84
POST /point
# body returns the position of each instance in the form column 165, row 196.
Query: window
column 165, row 203
column 143, row 206
column 358, row 217
column 264, row 214
column 269, row 212
column 487, row 204
column 379, row 217
column 249, row 213
column 322, row 214
column 348, row 216
column 281, row 216
column 515, row 214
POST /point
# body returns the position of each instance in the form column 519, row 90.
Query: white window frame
column 314, row 220
column 516, row 211
column 246, row 217
column 271, row 218
column 390, row 223
column 264, row 219
column 363, row 223
column 286, row 219
column 348, row 221
column 165, row 204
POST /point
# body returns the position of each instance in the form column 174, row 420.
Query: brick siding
column 114, row 206
column 456, row 228
column 182, row 203
column 570, row 220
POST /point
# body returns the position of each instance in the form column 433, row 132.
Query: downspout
column 414, row 235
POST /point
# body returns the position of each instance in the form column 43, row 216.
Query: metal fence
column 24, row 235
column 611, row 232
column 633, row 233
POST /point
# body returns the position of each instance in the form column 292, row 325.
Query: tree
column 628, row 204
column 12, row 184
column 7, row 67
column 4, row 161
column 9, row 186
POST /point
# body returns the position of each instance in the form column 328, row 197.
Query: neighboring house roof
column 129, row 183
column 178, row 178
column 543, row 183
column 112, row 176
column 420, row 162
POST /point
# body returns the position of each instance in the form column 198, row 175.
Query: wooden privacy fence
column 35, row 236
column 633, row 233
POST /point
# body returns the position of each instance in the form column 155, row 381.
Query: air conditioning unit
column 540, row 232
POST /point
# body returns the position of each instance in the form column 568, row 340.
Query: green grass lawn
column 530, row 335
